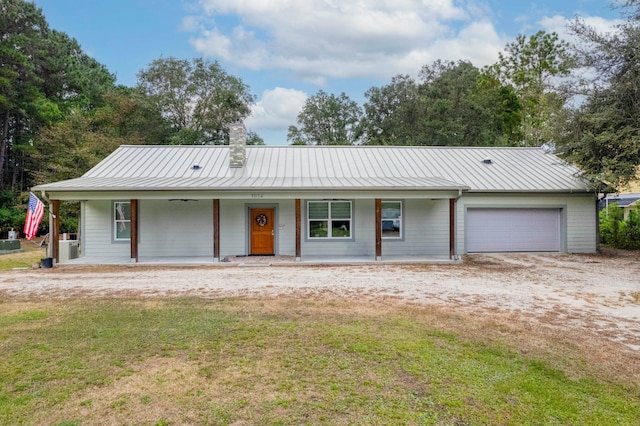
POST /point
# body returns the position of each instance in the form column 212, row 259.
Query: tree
column 254, row 139
column 197, row 97
column 451, row 116
column 532, row 66
column 454, row 104
column 70, row 148
column 392, row 113
column 71, row 78
column 128, row 114
column 327, row 120
column 44, row 75
column 602, row 135
column 22, row 31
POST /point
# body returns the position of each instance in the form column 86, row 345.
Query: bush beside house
column 618, row 232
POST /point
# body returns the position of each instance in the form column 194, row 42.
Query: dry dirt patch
column 594, row 296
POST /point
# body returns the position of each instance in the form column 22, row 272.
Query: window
column 391, row 219
column 329, row 219
column 122, row 220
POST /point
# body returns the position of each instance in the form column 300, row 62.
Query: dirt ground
column 588, row 296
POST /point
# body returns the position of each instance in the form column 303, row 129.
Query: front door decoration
column 262, row 219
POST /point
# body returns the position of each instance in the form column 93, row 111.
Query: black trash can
column 47, row 262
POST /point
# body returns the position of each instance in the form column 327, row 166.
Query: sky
column 288, row 50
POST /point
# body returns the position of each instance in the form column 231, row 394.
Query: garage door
column 500, row 230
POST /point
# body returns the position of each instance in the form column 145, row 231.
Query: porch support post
column 378, row 229
column 55, row 230
column 134, row 231
column 216, row 230
column 298, row 231
column 452, row 228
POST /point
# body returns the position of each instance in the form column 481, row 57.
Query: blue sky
column 287, row 50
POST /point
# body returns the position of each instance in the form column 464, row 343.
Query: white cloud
column 344, row 38
column 190, row 24
column 559, row 24
column 277, row 109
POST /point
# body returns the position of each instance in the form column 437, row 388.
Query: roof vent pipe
column 487, row 161
column 237, row 142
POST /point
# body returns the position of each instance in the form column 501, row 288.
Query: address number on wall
column 257, row 195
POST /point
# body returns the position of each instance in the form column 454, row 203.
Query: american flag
column 35, row 211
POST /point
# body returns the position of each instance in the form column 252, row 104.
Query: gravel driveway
column 590, row 293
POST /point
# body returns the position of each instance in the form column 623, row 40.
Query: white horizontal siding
column 98, row 229
column 426, row 230
column 286, row 228
column 175, row 228
column 582, row 226
column 234, row 227
column 578, row 216
column 363, row 227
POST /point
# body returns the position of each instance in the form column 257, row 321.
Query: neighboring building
column 628, row 202
column 628, row 197
column 330, row 202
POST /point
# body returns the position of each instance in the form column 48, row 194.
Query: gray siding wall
column 98, row 228
column 363, row 220
column 582, row 225
column 286, row 229
column 578, row 216
column 176, row 228
column 426, row 230
column 234, row 226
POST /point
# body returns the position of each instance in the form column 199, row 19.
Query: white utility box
column 68, row 250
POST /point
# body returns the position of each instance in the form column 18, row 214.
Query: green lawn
column 193, row 361
column 31, row 253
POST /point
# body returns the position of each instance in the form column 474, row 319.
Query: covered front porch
column 199, row 229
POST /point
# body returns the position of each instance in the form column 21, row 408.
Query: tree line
column 61, row 111
column 580, row 100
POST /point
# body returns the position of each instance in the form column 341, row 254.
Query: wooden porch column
column 298, row 231
column 134, row 231
column 378, row 229
column 216, row 230
column 55, row 230
column 452, row 228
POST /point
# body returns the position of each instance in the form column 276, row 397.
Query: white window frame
column 330, row 220
column 399, row 220
column 117, row 222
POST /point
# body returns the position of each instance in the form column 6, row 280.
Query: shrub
column 12, row 218
column 617, row 232
column 630, row 232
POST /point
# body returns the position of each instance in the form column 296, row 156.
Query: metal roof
column 146, row 167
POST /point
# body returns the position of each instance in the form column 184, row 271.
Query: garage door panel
column 503, row 230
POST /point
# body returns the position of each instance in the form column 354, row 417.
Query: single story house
column 333, row 202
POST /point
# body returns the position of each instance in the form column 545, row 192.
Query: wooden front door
column 262, row 231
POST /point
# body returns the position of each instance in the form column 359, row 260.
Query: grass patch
column 192, row 361
column 31, row 253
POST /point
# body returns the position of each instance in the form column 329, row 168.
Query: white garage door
column 500, row 230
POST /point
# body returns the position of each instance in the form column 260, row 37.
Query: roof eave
column 250, row 188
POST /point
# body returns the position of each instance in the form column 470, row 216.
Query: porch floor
column 258, row 260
